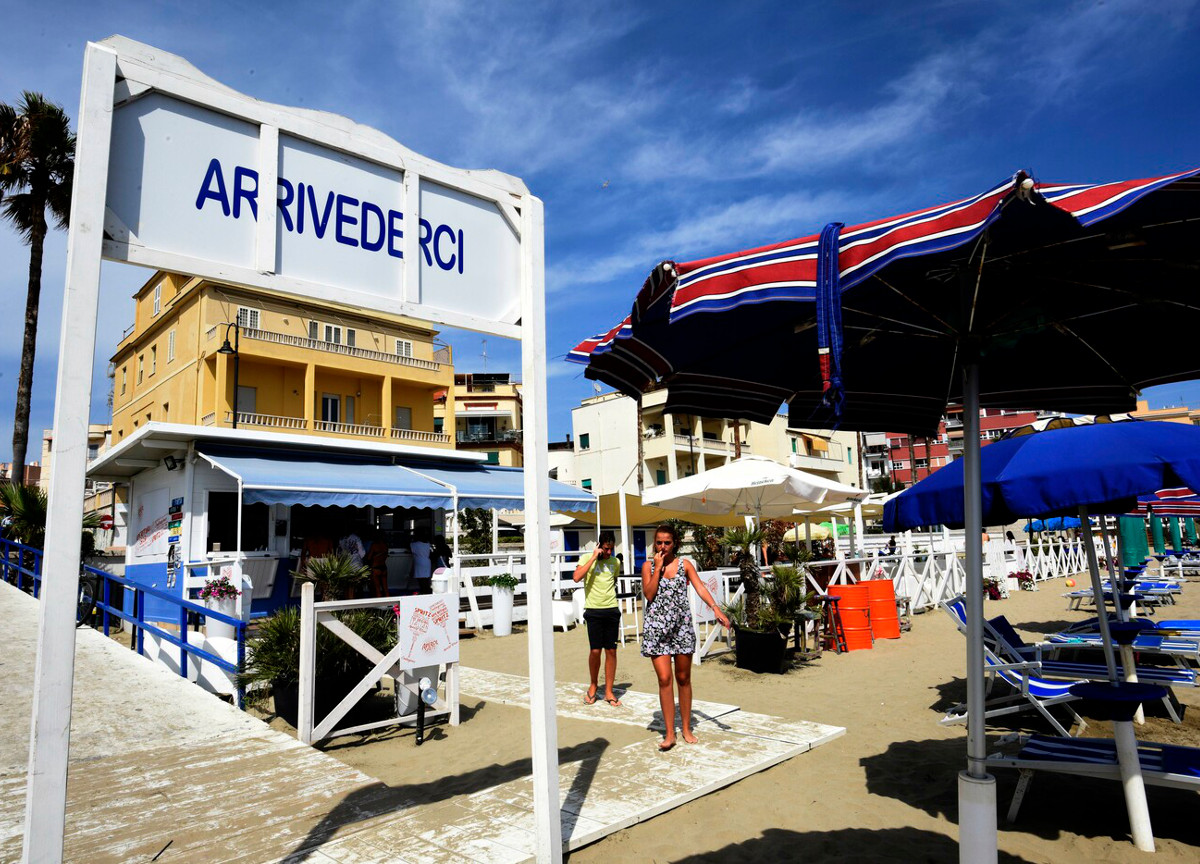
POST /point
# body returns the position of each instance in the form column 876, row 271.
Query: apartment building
column 486, row 416
column 607, row 435
column 208, row 354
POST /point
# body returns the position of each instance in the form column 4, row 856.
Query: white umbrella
column 753, row 486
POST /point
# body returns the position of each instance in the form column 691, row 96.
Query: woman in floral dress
column 668, row 636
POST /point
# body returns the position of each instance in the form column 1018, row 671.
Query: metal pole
column 1089, row 549
column 976, row 788
column 54, row 670
column 237, row 358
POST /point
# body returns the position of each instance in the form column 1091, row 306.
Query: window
column 660, row 476
column 438, row 424
column 586, row 484
column 247, row 400
column 157, row 298
column 124, row 378
column 93, row 451
column 404, row 348
column 170, row 346
column 922, row 463
column 153, row 359
column 793, row 445
column 349, row 337
column 585, row 441
column 493, row 457
column 247, row 319
column 898, row 466
column 331, row 408
column 403, row 418
column 350, row 410
column 141, row 369
column 313, row 328
column 333, row 334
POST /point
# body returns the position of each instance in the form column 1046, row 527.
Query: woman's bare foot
column 666, row 744
column 689, row 738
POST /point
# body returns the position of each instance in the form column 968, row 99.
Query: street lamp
column 227, row 349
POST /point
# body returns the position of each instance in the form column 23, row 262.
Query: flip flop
column 615, row 702
column 590, row 698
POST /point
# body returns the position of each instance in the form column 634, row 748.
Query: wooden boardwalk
column 158, row 767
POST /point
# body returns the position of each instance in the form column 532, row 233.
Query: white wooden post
column 544, row 730
column 495, row 531
column 628, row 561
column 306, row 692
column 54, row 671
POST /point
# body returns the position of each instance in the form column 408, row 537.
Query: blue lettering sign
column 377, row 228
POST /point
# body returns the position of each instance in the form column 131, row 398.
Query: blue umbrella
column 1054, row 523
column 1104, row 467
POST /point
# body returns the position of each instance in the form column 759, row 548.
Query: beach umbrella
column 750, row 486
column 1133, row 545
column 1156, row 534
column 1191, row 529
column 842, row 530
column 1180, row 501
column 1097, row 468
column 957, row 303
column 1176, row 537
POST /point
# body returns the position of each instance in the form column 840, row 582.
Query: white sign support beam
column 46, row 791
column 207, row 181
column 547, row 822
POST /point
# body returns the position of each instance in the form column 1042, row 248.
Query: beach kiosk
column 207, row 501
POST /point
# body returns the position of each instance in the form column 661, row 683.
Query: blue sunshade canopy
column 304, row 479
column 1103, row 467
column 273, row 477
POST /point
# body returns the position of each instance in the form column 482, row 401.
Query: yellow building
column 302, row 366
column 486, row 411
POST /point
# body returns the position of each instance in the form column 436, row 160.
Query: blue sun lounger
column 1162, row 764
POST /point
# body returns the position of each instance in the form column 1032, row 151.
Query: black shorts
column 602, row 626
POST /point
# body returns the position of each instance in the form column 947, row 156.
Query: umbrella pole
column 1098, row 593
column 1127, row 667
column 977, row 840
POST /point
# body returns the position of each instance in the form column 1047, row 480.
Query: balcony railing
column 335, row 348
column 417, row 435
column 209, row 419
column 506, row 436
column 270, row 421
column 348, row 428
column 699, row 443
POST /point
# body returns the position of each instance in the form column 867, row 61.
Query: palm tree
column 744, row 541
column 37, row 159
column 27, row 506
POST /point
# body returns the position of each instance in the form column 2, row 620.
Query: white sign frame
column 119, row 69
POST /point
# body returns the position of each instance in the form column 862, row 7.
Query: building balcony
column 419, row 436
column 268, row 421
column 815, row 463
column 441, row 355
column 506, row 436
column 685, row 442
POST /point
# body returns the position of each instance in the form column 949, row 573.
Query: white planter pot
column 502, row 611
column 1014, row 584
column 219, row 629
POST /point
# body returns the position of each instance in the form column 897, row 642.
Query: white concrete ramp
column 161, row 770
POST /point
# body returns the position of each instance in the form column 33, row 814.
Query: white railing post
column 308, row 663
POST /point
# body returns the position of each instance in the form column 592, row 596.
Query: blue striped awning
column 326, row 480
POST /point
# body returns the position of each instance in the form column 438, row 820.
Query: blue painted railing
column 20, row 561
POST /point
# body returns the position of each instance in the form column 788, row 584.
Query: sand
column 886, row 791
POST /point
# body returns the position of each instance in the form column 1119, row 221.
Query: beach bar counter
column 206, row 502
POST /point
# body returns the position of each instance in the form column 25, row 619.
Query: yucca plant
column 744, row 542
column 334, row 574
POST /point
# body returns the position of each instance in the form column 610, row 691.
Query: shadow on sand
column 847, row 846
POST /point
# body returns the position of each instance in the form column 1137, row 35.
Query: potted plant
column 1024, row 580
column 272, row 666
column 758, row 642
column 335, row 575
column 503, row 586
column 220, row 595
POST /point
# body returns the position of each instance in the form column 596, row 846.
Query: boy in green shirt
column 599, row 576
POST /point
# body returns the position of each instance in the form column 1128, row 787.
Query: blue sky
column 654, row 131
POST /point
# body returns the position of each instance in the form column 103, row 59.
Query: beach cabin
column 206, row 501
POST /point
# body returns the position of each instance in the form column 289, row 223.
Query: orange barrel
column 885, row 623
column 855, row 615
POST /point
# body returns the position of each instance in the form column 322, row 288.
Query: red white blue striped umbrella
column 1059, row 270
column 1169, row 502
